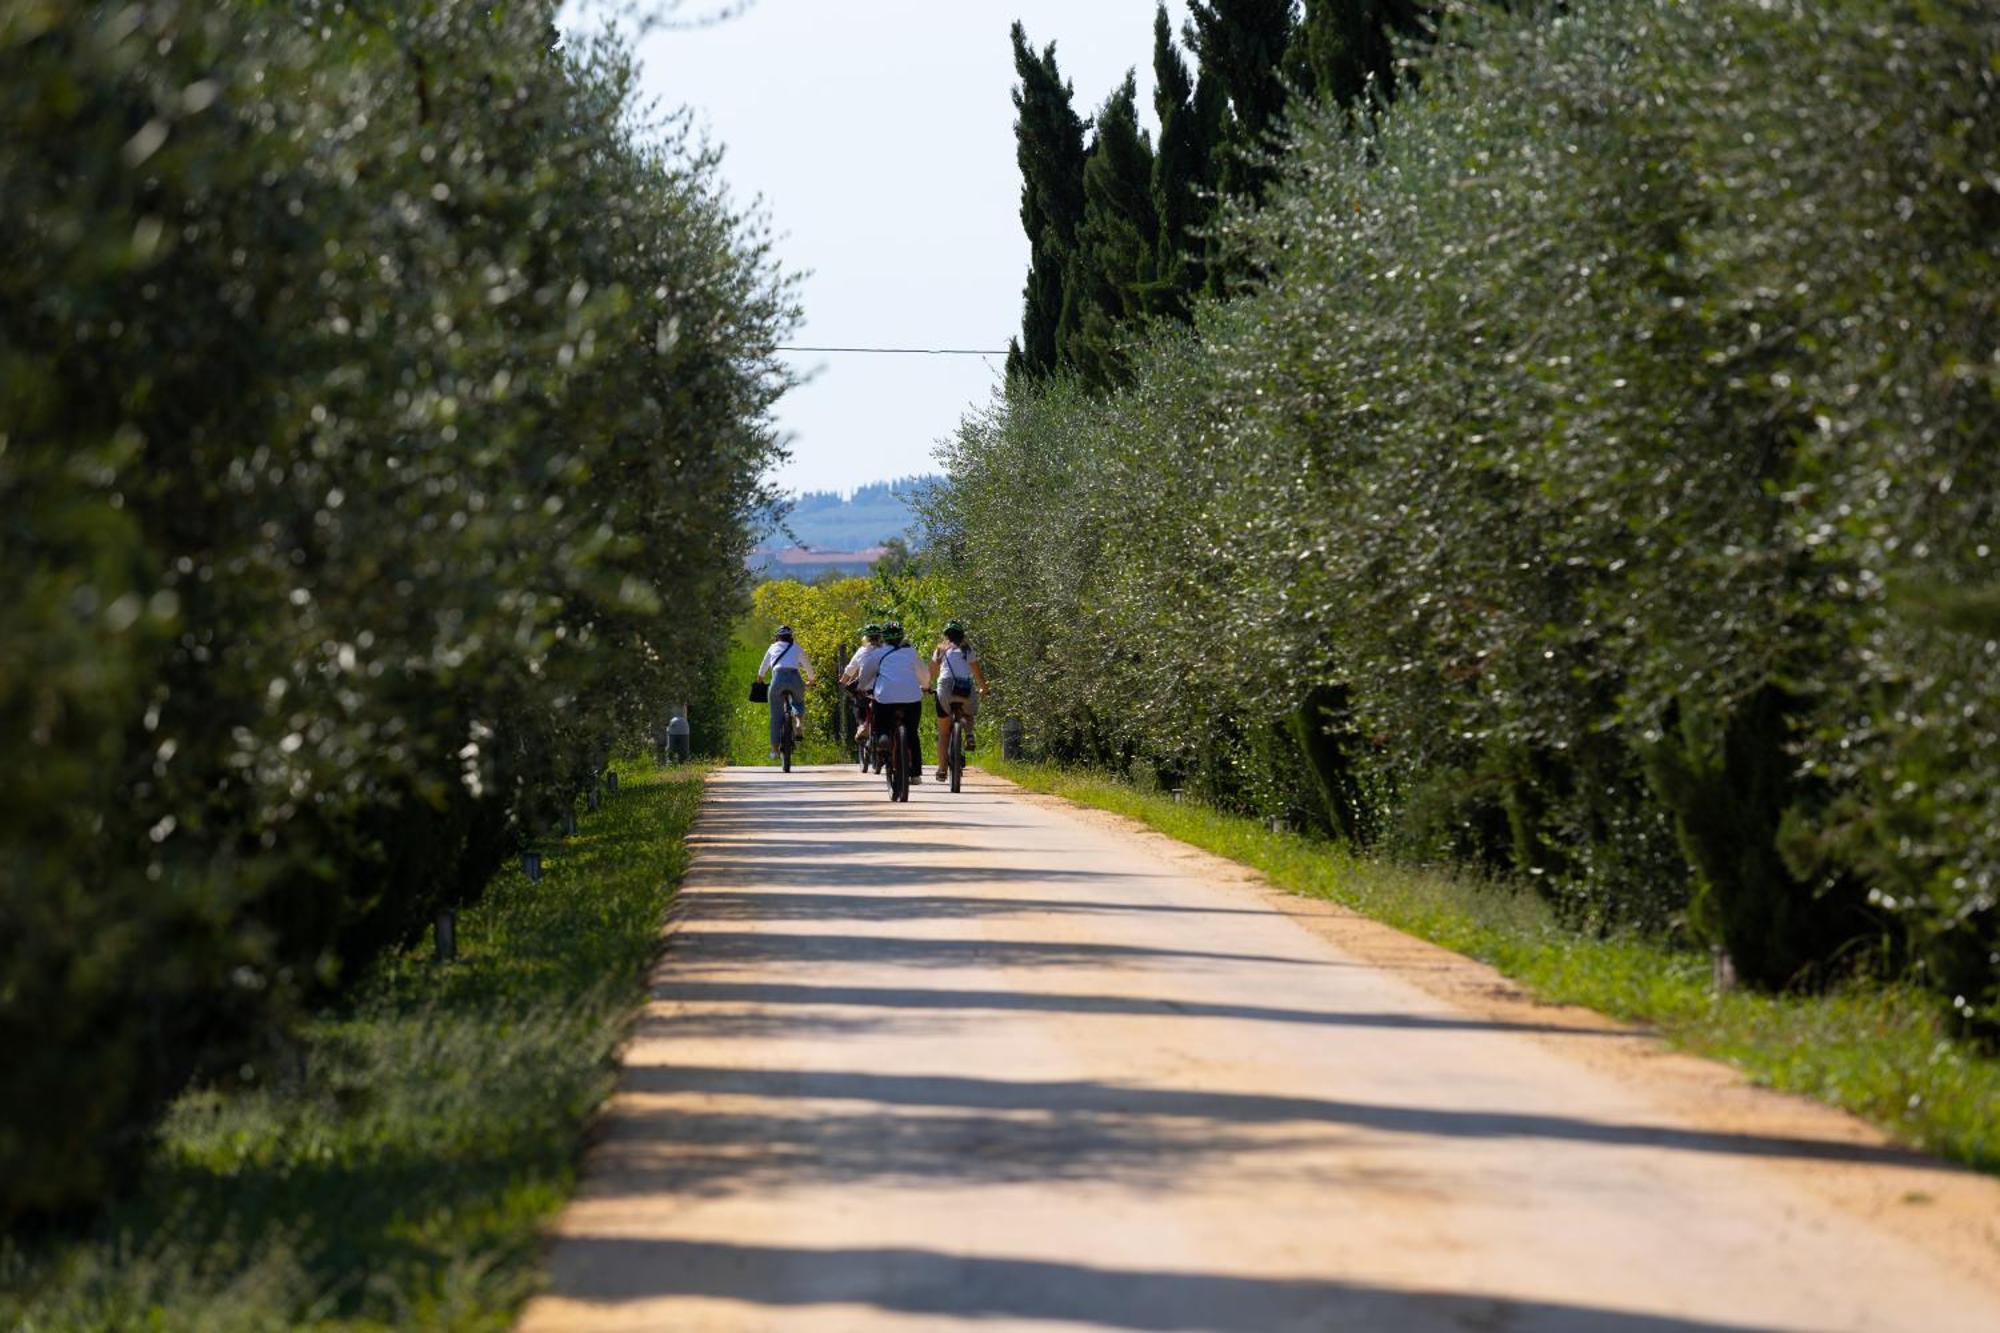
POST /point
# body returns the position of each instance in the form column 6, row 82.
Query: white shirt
column 782, row 656
column 895, row 673
column 953, row 664
column 854, row 663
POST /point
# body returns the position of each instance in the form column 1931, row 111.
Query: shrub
column 1615, row 450
column 378, row 418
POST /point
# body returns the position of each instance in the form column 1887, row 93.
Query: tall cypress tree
column 1344, row 51
column 1112, row 270
column 1243, row 44
column 1049, row 150
column 1183, row 173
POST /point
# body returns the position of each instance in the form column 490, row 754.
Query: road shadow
column 813, row 849
column 759, row 1147
column 729, row 905
column 695, row 948
column 775, row 994
column 836, row 874
column 712, row 826
column 609, row 1270
column 1081, row 1099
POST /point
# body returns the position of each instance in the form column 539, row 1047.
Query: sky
column 879, row 137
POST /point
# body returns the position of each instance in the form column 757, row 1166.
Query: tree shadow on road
column 1082, row 1099
column 759, row 993
column 890, row 874
column 728, row 905
column 609, row 1270
column 694, row 949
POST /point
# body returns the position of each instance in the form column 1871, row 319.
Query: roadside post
column 678, row 737
column 1010, row 739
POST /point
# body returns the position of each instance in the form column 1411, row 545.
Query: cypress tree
column 1049, row 150
column 1183, row 173
column 1344, row 51
column 1113, row 267
column 1243, row 43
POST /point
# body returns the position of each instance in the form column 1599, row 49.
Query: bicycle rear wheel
column 957, row 758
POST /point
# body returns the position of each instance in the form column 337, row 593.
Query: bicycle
column 870, row 759
column 893, row 756
column 788, row 733
column 954, row 754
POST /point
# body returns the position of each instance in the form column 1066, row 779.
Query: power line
column 902, row 351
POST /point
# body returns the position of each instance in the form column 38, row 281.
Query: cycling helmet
column 785, row 633
column 955, row 631
column 871, row 630
column 892, row 633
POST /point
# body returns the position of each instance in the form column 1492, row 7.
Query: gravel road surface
column 987, row 1061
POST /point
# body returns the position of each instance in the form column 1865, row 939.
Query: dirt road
column 986, row 1061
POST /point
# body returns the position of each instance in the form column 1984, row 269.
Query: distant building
column 806, row 565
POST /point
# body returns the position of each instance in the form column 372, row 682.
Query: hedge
column 1598, row 485
column 381, row 402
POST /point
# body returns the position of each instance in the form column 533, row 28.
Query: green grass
column 402, row 1178
column 1880, row 1051
column 750, row 724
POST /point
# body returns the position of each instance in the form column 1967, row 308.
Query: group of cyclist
column 887, row 678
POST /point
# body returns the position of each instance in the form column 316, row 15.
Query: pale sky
column 879, row 135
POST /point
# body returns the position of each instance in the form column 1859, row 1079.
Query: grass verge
column 1880, row 1051
column 401, row 1177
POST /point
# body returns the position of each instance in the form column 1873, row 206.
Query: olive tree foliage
column 380, row 405
column 1599, row 485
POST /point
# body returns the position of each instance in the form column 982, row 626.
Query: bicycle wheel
column 957, row 757
column 788, row 736
column 899, row 779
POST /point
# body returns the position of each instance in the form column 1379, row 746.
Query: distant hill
column 826, row 521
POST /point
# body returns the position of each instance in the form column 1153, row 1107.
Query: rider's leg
column 944, row 734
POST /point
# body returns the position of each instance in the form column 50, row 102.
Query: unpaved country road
column 981, row 1061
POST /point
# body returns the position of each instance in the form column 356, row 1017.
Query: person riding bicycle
column 897, row 676
column 955, row 666
column 850, row 676
column 789, row 671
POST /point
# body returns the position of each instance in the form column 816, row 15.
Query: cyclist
column 789, row 671
column 955, row 666
column 850, row 676
column 898, row 677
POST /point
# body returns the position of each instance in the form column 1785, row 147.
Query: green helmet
column 871, row 630
column 955, row 630
column 892, row 633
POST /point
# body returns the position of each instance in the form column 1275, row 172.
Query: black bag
column 760, row 693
